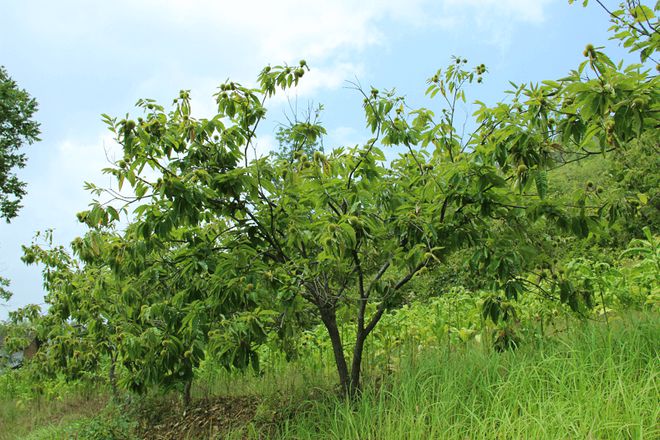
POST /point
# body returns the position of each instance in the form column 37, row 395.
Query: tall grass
column 22, row 408
column 591, row 383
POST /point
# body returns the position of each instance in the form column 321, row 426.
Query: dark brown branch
column 378, row 276
column 382, row 306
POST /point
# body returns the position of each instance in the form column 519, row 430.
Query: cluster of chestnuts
column 481, row 69
column 589, row 51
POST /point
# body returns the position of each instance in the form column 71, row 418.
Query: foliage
column 333, row 230
column 450, row 323
column 17, row 128
column 118, row 301
column 636, row 26
column 72, row 306
column 645, row 270
column 300, row 136
column 5, row 294
column 110, row 424
column 637, row 188
column 222, row 253
column 457, row 317
column 346, row 231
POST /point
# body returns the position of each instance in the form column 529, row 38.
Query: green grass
column 588, row 383
column 108, row 424
column 22, row 414
column 593, row 384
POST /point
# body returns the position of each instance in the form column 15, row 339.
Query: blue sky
column 80, row 58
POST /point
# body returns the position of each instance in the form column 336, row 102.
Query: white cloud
column 242, row 36
column 343, row 137
column 494, row 10
column 55, row 194
column 264, row 145
column 87, row 156
column 493, row 21
column 75, row 161
column 284, row 29
column 281, row 30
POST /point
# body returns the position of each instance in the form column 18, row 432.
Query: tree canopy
column 17, row 129
column 348, row 230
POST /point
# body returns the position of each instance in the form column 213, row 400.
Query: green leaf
column 541, row 179
column 643, row 198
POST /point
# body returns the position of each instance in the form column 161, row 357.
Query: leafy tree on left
column 142, row 311
column 17, row 128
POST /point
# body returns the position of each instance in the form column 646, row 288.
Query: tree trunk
column 113, row 377
column 329, row 318
column 186, row 394
column 356, row 366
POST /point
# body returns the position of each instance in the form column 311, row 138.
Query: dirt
column 207, row 418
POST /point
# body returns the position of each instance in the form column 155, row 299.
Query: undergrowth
column 591, row 381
